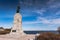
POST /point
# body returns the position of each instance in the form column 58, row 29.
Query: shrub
column 48, row 36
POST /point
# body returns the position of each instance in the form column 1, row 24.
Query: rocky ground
column 28, row 37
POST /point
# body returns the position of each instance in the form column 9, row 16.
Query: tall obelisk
column 17, row 26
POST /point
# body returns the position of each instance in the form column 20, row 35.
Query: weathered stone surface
column 17, row 25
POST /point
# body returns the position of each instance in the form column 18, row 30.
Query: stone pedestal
column 17, row 27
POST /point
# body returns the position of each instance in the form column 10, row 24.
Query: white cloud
column 44, row 21
column 31, row 28
column 50, row 21
column 57, row 5
column 6, row 25
column 50, row 1
column 58, row 13
column 41, row 11
column 37, row 28
column 31, row 22
column 55, row 21
column 53, row 4
column 26, row 2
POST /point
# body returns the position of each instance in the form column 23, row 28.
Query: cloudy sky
column 36, row 14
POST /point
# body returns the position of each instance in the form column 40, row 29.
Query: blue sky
column 36, row 14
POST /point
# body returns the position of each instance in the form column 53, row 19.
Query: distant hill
column 4, row 31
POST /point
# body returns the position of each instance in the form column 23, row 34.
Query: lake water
column 35, row 32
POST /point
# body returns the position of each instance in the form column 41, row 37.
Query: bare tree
column 59, row 29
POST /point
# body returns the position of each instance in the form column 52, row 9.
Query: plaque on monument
column 13, row 30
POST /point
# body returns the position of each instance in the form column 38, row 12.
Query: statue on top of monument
column 18, row 7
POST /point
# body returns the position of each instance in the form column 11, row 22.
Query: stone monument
column 17, row 26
